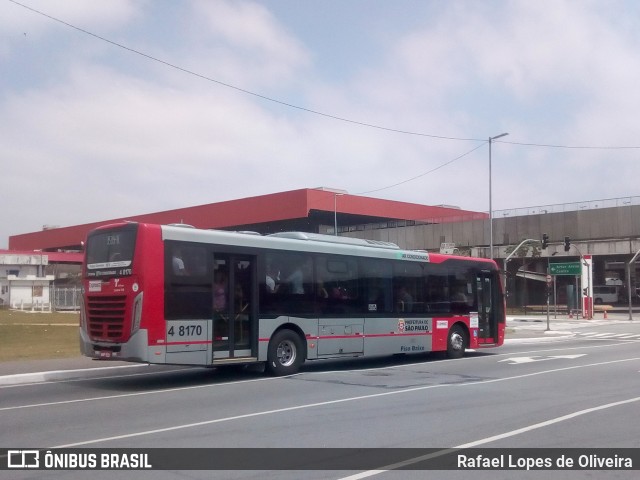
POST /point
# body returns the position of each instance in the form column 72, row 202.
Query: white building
column 23, row 282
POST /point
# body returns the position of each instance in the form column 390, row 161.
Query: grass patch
column 38, row 336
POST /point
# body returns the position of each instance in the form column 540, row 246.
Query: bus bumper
column 136, row 349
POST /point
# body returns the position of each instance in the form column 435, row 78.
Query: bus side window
column 437, row 289
column 187, row 284
column 461, row 282
column 337, row 277
column 288, row 284
column 376, row 278
column 408, row 288
column 188, row 260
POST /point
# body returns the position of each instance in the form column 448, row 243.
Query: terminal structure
column 35, row 260
column 606, row 232
column 318, row 210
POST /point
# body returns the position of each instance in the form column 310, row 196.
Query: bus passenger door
column 233, row 306
column 487, row 320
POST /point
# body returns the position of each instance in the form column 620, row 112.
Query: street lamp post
column 491, row 139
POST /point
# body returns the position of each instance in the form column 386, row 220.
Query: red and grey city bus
column 168, row 294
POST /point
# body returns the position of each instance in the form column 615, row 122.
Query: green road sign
column 565, row 268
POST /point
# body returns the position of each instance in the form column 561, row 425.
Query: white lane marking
column 322, row 404
column 482, row 441
column 218, row 385
column 136, row 394
column 538, row 358
column 567, row 349
column 493, row 355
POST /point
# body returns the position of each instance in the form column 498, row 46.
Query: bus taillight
column 137, row 313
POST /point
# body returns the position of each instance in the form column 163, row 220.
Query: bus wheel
column 457, row 342
column 285, row 353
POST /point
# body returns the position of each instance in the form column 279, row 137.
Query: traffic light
column 567, row 244
column 545, row 241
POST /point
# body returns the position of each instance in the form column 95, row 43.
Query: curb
column 530, row 335
column 53, row 375
column 545, row 337
column 57, row 375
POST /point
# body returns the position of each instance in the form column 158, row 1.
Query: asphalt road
column 577, row 389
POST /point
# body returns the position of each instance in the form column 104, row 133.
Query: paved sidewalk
column 562, row 322
column 55, row 364
column 34, row 371
column 518, row 327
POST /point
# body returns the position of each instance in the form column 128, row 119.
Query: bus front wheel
column 456, row 342
column 285, row 353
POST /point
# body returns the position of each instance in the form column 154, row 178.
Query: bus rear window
column 110, row 252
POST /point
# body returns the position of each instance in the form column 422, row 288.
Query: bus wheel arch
column 457, row 340
column 286, row 351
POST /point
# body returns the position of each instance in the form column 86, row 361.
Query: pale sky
column 132, row 107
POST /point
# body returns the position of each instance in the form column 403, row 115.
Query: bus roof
column 317, row 237
column 300, row 241
column 310, row 242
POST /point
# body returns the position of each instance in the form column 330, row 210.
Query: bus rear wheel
column 456, row 342
column 285, row 354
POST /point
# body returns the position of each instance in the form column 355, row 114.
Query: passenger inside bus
column 297, row 274
column 405, row 300
column 220, row 287
column 272, row 279
column 295, row 281
column 322, row 292
column 178, row 263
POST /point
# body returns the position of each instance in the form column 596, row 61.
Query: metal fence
column 67, row 298
column 497, row 214
column 568, row 207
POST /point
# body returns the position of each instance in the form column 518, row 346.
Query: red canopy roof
column 274, row 207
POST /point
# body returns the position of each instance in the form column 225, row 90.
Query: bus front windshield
column 110, row 253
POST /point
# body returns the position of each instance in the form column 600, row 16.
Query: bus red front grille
column 105, row 317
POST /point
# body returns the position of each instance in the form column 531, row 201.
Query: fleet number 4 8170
column 185, row 330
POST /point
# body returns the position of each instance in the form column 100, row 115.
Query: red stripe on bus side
column 393, row 334
column 200, row 342
column 372, row 335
